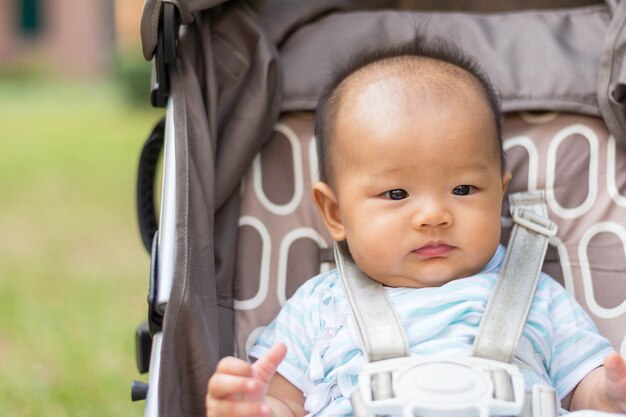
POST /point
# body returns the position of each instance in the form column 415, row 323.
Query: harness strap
column 509, row 304
column 379, row 327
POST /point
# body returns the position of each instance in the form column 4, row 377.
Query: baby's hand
column 238, row 389
column 615, row 381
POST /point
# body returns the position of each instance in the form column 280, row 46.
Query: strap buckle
column 533, row 221
column 165, row 54
column 461, row 385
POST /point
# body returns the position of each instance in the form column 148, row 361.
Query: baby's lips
column 434, row 250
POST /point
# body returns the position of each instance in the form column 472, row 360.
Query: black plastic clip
column 139, row 391
column 143, row 347
column 165, row 54
column 146, row 330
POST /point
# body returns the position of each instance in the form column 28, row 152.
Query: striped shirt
column 559, row 345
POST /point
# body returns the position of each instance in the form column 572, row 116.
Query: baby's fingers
column 265, row 367
column 216, row 408
column 233, row 366
column 615, row 367
column 226, row 386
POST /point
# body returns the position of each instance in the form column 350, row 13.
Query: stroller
column 236, row 234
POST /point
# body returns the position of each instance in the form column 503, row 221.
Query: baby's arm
column 603, row 389
column 240, row 389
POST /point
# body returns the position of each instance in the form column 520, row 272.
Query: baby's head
column 411, row 163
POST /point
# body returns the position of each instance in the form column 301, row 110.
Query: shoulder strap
column 379, row 327
column 509, row 304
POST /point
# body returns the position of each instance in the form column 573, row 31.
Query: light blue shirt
column 559, row 346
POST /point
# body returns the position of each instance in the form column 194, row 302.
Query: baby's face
column 419, row 185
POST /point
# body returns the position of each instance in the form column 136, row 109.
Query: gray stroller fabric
column 538, row 59
column 612, row 76
column 150, row 19
column 227, row 88
column 526, row 61
column 219, row 127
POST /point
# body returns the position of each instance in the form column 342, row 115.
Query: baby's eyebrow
column 387, row 170
column 479, row 166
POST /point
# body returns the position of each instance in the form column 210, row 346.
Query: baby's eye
column 397, row 194
column 463, row 190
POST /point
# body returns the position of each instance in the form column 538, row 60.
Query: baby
column 412, row 177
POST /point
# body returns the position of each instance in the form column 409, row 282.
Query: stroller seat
column 240, row 232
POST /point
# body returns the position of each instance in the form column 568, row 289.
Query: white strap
column 378, row 325
column 509, row 304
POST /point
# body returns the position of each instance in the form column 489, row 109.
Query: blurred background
column 74, row 112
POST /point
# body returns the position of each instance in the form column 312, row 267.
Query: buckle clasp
column 533, row 221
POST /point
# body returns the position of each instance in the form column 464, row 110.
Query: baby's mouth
column 434, row 250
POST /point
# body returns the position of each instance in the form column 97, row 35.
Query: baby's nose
column 431, row 214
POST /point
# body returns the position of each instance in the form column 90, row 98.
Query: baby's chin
column 415, row 282
column 426, row 279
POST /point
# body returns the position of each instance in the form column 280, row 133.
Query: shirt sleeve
column 578, row 347
column 296, row 325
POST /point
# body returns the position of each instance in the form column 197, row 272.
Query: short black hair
column 434, row 48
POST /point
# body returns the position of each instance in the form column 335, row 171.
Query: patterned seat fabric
column 571, row 156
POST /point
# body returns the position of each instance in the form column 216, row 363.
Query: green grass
column 73, row 272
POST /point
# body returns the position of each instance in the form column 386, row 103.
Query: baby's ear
column 506, row 178
column 326, row 202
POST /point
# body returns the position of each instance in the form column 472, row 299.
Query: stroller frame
column 184, row 275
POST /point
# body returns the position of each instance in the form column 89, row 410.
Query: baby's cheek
column 372, row 261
